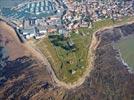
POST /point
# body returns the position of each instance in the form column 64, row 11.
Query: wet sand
column 11, row 42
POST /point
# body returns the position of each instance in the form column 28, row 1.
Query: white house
column 28, row 33
column 41, row 32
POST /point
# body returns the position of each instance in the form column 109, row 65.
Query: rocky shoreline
column 108, row 79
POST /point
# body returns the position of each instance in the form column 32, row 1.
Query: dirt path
column 37, row 53
column 81, row 80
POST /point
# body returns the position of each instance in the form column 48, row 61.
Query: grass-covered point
column 68, row 55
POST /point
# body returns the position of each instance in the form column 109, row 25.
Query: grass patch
column 63, row 59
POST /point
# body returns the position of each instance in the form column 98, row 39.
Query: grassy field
column 65, row 62
column 126, row 47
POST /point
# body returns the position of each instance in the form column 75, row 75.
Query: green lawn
column 126, row 47
column 60, row 57
column 63, row 61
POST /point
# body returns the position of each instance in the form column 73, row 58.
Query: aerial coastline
column 67, row 50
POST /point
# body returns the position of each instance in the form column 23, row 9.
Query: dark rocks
column 109, row 78
column 45, row 85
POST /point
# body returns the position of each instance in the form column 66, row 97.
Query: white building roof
column 28, row 31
